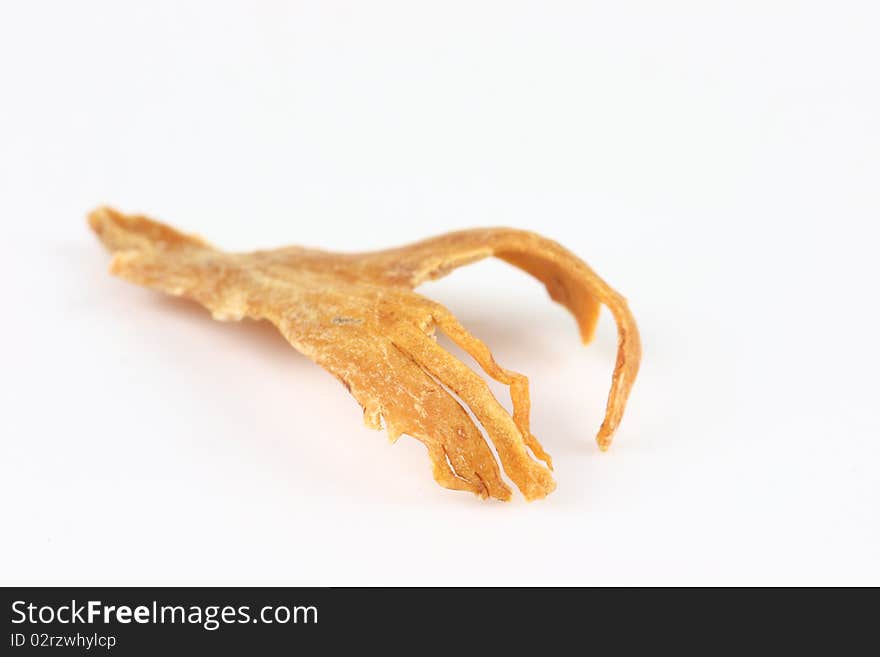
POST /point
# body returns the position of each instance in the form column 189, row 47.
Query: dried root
column 357, row 316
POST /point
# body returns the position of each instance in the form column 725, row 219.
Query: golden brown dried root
column 357, row 316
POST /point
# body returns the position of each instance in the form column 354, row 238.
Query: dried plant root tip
column 121, row 232
column 532, row 478
column 519, row 383
column 626, row 366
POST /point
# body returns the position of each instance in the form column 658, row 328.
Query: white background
column 716, row 162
